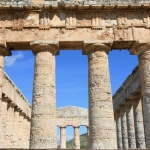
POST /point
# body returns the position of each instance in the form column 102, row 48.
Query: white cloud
column 10, row 60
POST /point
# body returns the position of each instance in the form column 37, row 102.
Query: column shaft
column 139, row 127
column 119, row 131
column 62, row 137
column 124, row 128
column 76, row 138
column 101, row 119
column 144, row 70
column 130, row 124
column 43, row 121
column 10, row 125
column 3, row 107
column 16, row 128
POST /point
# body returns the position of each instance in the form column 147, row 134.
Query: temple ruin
column 95, row 26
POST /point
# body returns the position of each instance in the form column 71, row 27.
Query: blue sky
column 71, row 75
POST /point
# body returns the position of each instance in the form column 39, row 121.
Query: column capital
column 122, row 107
column 128, row 102
column 3, row 50
column 43, row 45
column 62, row 126
column 91, row 46
column 11, row 104
column 76, row 126
column 140, row 47
column 116, row 112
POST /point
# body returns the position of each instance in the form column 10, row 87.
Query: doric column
column 21, row 129
column 142, row 49
column 118, row 129
column 43, row 120
column 139, row 127
column 87, row 135
column 16, row 127
column 101, row 118
column 130, row 124
column 10, row 125
column 124, row 127
column 76, row 138
column 3, row 52
column 62, row 137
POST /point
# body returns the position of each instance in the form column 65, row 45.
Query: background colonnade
column 76, row 137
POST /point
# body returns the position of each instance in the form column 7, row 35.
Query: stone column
column 87, row 136
column 63, row 137
column 101, row 118
column 43, row 120
column 3, row 52
column 21, row 130
column 124, row 127
column 76, row 138
column 130, row 124
column 142, row 49
column 16, row 127
column 10, row 125
column 139, row 127
column 118, row 129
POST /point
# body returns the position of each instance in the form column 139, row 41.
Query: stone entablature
column 72, row 116
column 14, row 95
column 75, row 3
column 128, row 90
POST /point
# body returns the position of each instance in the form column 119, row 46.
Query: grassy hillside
column 83, row 142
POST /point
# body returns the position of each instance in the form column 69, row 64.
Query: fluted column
column 124, row 127
column 3, row 52
column 101, row 118
column 62, row 137
column 43, row 120
column 130, row 124
column 118, row 129
column 10, row 125
column 139, row 127
column 76, row 138
column 142, row 49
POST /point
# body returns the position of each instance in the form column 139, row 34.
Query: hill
column 83, row 142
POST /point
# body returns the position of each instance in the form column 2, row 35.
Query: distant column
column 87, row 135
column 101, row 118
column 63, row 137
column 124, row 127
column 130, row 124
column 118, row 129
column 76, row 138
column 21, row 131
column 43, row 119
column 139, row 126
column 10, row 125
column 16, row 127
column 3, row 52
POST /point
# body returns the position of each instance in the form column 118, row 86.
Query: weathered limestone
column 118, row 129
column 130, row 124
column 124, row 127
column 43, row 121
column 139, row 127
column 16, row 127
column 142, row 49
column 62, row 137
column 76, row 138
column 3, row 52
column 101, row 121
column 10, row 124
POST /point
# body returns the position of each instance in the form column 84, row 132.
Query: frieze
column 44, row 20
